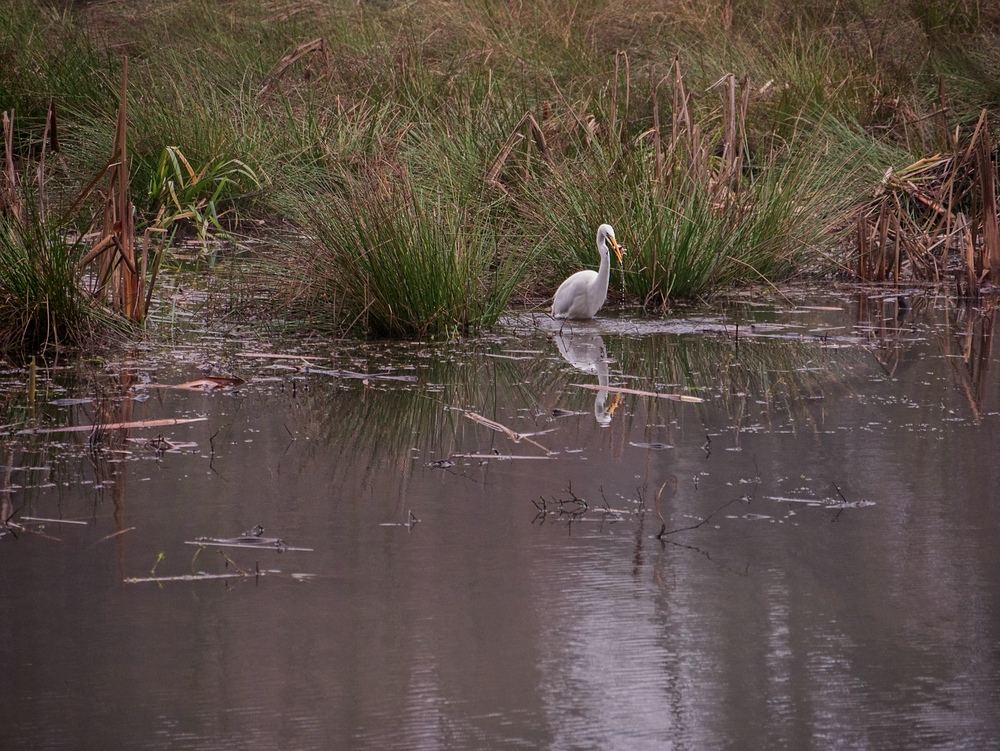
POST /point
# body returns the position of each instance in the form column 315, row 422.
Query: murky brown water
column 837, row 587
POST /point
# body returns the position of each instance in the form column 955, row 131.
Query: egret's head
column 607, row 233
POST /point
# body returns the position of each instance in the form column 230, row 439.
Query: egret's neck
column 605, row 270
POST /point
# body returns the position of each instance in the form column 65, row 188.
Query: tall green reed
column 396, row 262
column 42, row 302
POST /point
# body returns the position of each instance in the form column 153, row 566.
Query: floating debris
column 252, row 538
column 198, row 577
column 638, row 392
column 113, row 426
column 514, row 436
column 165, row 445
column 277, row 356
column 440, row 464
column 206, row 383
column 831, row 503
column 410, row 523
column 339, row 373
column 502, row 457
column 560, row 412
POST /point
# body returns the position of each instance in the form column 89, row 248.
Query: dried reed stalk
column 919, row 217
column 621, row 54
column 119, row 281
column 864, row 247
column 657, row 151
column 515, row 137
column 307, row 48
column 989, row 232
column 681, row 115
column 10, row 202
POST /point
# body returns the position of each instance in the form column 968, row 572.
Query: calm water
column 828, row 576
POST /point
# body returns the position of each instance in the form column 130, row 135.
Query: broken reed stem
column 307, row 48
column 515, row 137
column 614, row 98
column 119, row 279
column 10, row 203
column 864, row 248
column 656, row 128
column 681, row 115
column 621, row 54
column 922, row 212
column 990, row 233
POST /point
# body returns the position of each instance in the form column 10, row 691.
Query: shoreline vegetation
column 413, row 169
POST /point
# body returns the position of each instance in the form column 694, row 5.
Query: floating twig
column 513, row 435
column 208, row 383
column 113, row 534
column 113, row 426
column 500, row 457
column 638, row 392
column 339, row 373
column 263, row 543
column 43, row 520
column 196, row 577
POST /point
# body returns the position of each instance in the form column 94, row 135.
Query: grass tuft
column 42, row 302
column 394, row 262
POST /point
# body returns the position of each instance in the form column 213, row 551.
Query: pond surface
column 807, row 558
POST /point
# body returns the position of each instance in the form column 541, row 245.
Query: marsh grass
column 42, row 302
column 394, row 262
column 696, row 208
column 309, row 98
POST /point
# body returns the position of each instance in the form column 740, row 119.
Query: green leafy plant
column 184, row 193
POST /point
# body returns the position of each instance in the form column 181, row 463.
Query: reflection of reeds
column 747, row 378
column 385, row 427
column 972, row 330
column 381, row 426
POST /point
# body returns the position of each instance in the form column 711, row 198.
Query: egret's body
column 583, row 294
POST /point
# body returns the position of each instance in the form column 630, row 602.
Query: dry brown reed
column 516, row 137
column 935, row 218
column 712, row 159
column 10, row 202
column 316, row 46
column 120, row 279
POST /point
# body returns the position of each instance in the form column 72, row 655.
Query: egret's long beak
column 616, row 247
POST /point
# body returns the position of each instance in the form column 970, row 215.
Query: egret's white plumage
column 583, row 294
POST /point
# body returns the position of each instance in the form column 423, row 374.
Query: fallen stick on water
column 339, row 373
column 514, row 436
column 498, row 457
column 194, row 577
column 267, row 543
column 278, row 356
column 114, row 426
column 637, row 392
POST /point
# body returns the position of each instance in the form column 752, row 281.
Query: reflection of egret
column 586, row 352
column 583, row 294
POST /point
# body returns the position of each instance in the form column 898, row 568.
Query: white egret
column 583, row 294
